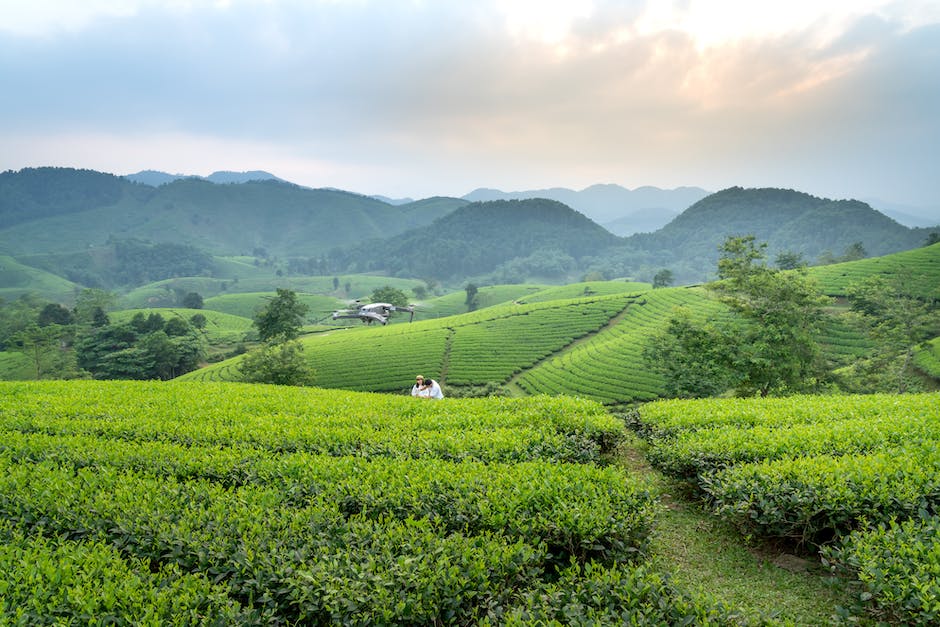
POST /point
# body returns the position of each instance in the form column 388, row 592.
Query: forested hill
column 59, row 210
column 789, row 221
column 540, row 236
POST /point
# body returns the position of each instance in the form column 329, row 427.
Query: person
column 426, row 388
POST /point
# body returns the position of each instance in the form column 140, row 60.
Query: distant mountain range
column 99, row 229
column 155, row 178
column 620, row 210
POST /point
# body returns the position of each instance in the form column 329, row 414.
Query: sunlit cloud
column 439, row 96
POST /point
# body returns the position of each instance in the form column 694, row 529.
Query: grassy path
column 706, row 556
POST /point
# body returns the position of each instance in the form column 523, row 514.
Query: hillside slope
column 586, row 341
column 59, row 210
column 477, row 238
column 786, row 220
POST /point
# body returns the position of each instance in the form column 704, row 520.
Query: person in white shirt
column 426, row 388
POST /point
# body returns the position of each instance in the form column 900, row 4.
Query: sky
column 417, row 98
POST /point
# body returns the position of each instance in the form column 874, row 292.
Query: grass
column 709, row 558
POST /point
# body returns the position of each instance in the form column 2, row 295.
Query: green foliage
column 690, row 357
column 140, row 262
column 608, row 366
column 789, row 260
column 897, row 323
column 389, row 294
column 663, row 278
column 153, row 496
column 899, row 565
column 192, row 300
column 54, row 580
column 920, row 267
column 776, row 347
column 477, row 238
column 281, row 319
column 279, row 364
column 18, row 279
column 42, row 345
column 927, row 359
column 140, row 349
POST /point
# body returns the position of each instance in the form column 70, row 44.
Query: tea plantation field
column 854, row 478
column 213, row 503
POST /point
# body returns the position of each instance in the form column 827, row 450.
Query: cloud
column 387, row 95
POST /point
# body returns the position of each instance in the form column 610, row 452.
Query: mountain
column 61, row 210
column 155, row 178
column 786, row 220
column 480, row 237
column 620, row 210
column 98, row 229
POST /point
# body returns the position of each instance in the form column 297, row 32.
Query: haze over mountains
column 620, row 210
column 101, row 230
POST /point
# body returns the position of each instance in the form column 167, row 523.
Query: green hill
column 546, row 341
column 787, row 220
column 60, row 210
column 919, row 268
column 479, row 238
column 17, row 279
column 221, row 329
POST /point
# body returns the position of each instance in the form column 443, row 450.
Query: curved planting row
column 609, row 367
column 841, row 472
column 496, row 349
column 171, row 503
column 695, row 453
column 316, row 421
column 667, row 418
column 919, row 266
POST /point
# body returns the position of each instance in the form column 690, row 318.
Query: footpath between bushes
column 707, row 556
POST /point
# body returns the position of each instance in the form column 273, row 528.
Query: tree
column 789, row 260
column 933, row 238
column 279, row 364
column 663, row 278
column 335, row 283
column 775, row 343
column 89, row 302
column 282, row 318
column 854, row 252
column 53, row 313
column 689, row 356
column 420, row 292
column 895, row 321
column 41, row 344
column 767, row 344
column 472, row 300
column 192, row 300
column 389, row 294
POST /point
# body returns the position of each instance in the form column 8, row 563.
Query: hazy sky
column 837, row 98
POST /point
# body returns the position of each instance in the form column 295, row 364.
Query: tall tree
column 778, row 314
column 282, row 318
column 768, row 344
column 663, row 278
column 472, row 301
column 389, row 294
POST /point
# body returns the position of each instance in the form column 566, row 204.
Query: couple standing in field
column 426, row 388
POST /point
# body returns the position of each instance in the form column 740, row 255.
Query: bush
column 280, row 364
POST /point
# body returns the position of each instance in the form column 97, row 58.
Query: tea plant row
column 174, row 503
column 847, row 474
